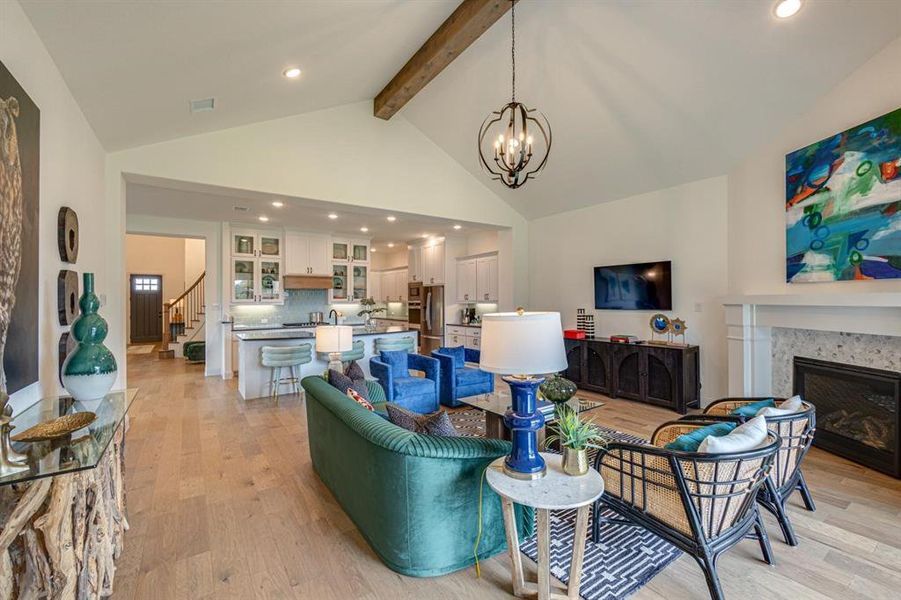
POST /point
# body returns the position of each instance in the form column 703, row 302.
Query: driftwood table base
column 60, row 536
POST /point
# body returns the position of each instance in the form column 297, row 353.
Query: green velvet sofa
column 414, row 497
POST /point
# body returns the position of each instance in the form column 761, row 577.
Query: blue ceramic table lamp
column 523, row 346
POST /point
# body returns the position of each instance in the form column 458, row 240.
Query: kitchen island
column 253, row 381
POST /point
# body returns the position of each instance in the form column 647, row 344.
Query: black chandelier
column 507, row 137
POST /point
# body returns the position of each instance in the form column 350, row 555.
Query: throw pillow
column 789, row 407
column 752, row 408
column 397, row 361
column 438, row 423
column 356, row 397
column 354, row 371
column 746, row 436
column 458, row 353
column 342, row 382
column 689, row 442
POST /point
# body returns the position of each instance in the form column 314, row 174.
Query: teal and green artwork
column 843, row 205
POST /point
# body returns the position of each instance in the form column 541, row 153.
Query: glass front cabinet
column 256, row 267
column 350, row 270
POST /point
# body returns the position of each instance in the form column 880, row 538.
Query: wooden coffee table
column 496, row 404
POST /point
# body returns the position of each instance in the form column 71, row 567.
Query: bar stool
column 277, row 358
column 390, row 344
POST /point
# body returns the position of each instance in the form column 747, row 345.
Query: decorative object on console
column 56, row 428
column 65, row 347
column 10, row 460
column 67, row 296
column 841, row 205
column 584, row 322
column 575, row 437
column 574, row 334
column 369, row 309
column 90, row 371
column 660, row 325
column 510, row 145
column 523, row 346
column 67, row 234
column 333, row 340
column 624, row 339
column 677, row 327
column 19, row 218
column 557, row 389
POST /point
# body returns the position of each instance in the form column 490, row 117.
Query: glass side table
column 555, row 491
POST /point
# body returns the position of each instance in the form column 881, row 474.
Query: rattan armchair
column 701, row 503
column 796, row 431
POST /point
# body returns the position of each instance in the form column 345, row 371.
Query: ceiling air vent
column 205, row 105
column 240, row 208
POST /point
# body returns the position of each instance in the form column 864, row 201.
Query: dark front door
column 146, row 308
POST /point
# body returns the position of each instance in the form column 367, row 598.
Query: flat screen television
column 639, row 286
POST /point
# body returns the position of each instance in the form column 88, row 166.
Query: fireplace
column 858, row 413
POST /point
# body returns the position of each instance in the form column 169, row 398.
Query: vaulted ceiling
column 641, row 95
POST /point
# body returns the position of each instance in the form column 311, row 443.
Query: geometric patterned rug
column 624, row 560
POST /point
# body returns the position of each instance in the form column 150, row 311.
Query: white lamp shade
column 530, row 343
column 334, row 338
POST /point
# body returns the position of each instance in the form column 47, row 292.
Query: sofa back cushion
column 397, row 361
column 457, row 352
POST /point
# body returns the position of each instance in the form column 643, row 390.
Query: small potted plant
column 575, row 437
column 369, row 309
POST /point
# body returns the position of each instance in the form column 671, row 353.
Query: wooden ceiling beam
column 468, row 21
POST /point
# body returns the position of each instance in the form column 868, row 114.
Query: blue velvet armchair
column 457, row 380
column 392, row 369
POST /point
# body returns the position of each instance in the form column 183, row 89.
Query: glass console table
column 77, row 451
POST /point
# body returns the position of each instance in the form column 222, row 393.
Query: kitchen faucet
column 336, row 315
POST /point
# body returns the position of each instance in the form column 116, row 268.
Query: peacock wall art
column 19, row 168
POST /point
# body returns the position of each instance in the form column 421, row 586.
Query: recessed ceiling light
column 291, row 73
column 458, row 227
column 787, row 8
column 278, row 204
column 373, row 249
column 264, row 218
column 392, row 218
column 391, row 244
column 332, row 216
column 364, row 229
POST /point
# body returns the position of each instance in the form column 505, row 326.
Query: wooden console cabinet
column 666, row 376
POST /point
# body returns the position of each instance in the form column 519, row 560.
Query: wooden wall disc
column 67, row 344
column 67, row 234
column 67, row 296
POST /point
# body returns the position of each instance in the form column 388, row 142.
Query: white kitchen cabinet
column 307, row 254
column 255, row 243
column 433, row 264
column 392, row 285
column 376, row 290
column 466, row 280
column 414, row 264
column 463, row 335
column 486, row 279
column 402, row 279
column 350, row 250
column 256, row 281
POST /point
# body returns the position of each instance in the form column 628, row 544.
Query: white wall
column 757, row 185
column 481, row 241
column 685, row 224
column 72, row 171
column 195, row 260
column 399, row 257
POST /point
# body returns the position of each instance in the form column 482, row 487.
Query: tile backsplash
column 298, row 306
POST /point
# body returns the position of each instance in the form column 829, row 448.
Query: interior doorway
column 146, row 303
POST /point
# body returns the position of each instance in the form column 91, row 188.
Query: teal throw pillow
column 690, row 441
column 751, row 409
column 397, row 361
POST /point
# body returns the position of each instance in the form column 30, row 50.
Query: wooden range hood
column 307, row 282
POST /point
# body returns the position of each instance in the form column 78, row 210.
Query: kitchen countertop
column 473, row 325
column 300, row 334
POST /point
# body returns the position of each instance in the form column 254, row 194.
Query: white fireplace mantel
column 750, row 319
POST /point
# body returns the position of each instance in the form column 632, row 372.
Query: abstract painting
column 843, row 205
column 20, row 122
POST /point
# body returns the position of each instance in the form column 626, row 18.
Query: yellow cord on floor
column 475, row 551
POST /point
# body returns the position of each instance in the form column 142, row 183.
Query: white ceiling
column 178, row 200
column 134, row 67
column 642, row 95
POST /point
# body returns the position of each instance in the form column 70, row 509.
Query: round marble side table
column 555, row 491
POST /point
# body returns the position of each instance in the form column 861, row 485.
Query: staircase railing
column 182, row 314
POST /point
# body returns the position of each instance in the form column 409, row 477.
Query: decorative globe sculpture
column 558, row 389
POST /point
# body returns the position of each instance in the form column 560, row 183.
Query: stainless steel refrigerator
column 431, row 331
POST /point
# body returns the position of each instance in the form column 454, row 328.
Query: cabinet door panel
column 626, row 365
column 662, row 368
column 596, row 366
column 340, row 283
column 376, row 290
column 270, row 245
column 270, row 280
column 466, row 281
column 319, row 261
column 243, row 280
column 243, row 244
column 486, row 277
column 360, row 282
column 297, row 255
column 414, row 262
column 573, row 361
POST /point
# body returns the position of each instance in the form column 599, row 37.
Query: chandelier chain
column 513, row 47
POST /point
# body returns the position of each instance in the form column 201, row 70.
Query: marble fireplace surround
column 764, row 332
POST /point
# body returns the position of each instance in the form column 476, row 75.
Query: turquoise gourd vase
column 89, row 372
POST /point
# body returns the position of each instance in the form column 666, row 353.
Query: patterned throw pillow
column 354, row 371
column 353, row 395
column 438, row 423
column 342, row 382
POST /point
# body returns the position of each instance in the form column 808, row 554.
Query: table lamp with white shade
column 333, row 340
column 524, row 346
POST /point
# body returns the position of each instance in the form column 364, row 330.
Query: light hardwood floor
column 223, row 503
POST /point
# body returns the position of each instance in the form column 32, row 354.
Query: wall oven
column 414, row 305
